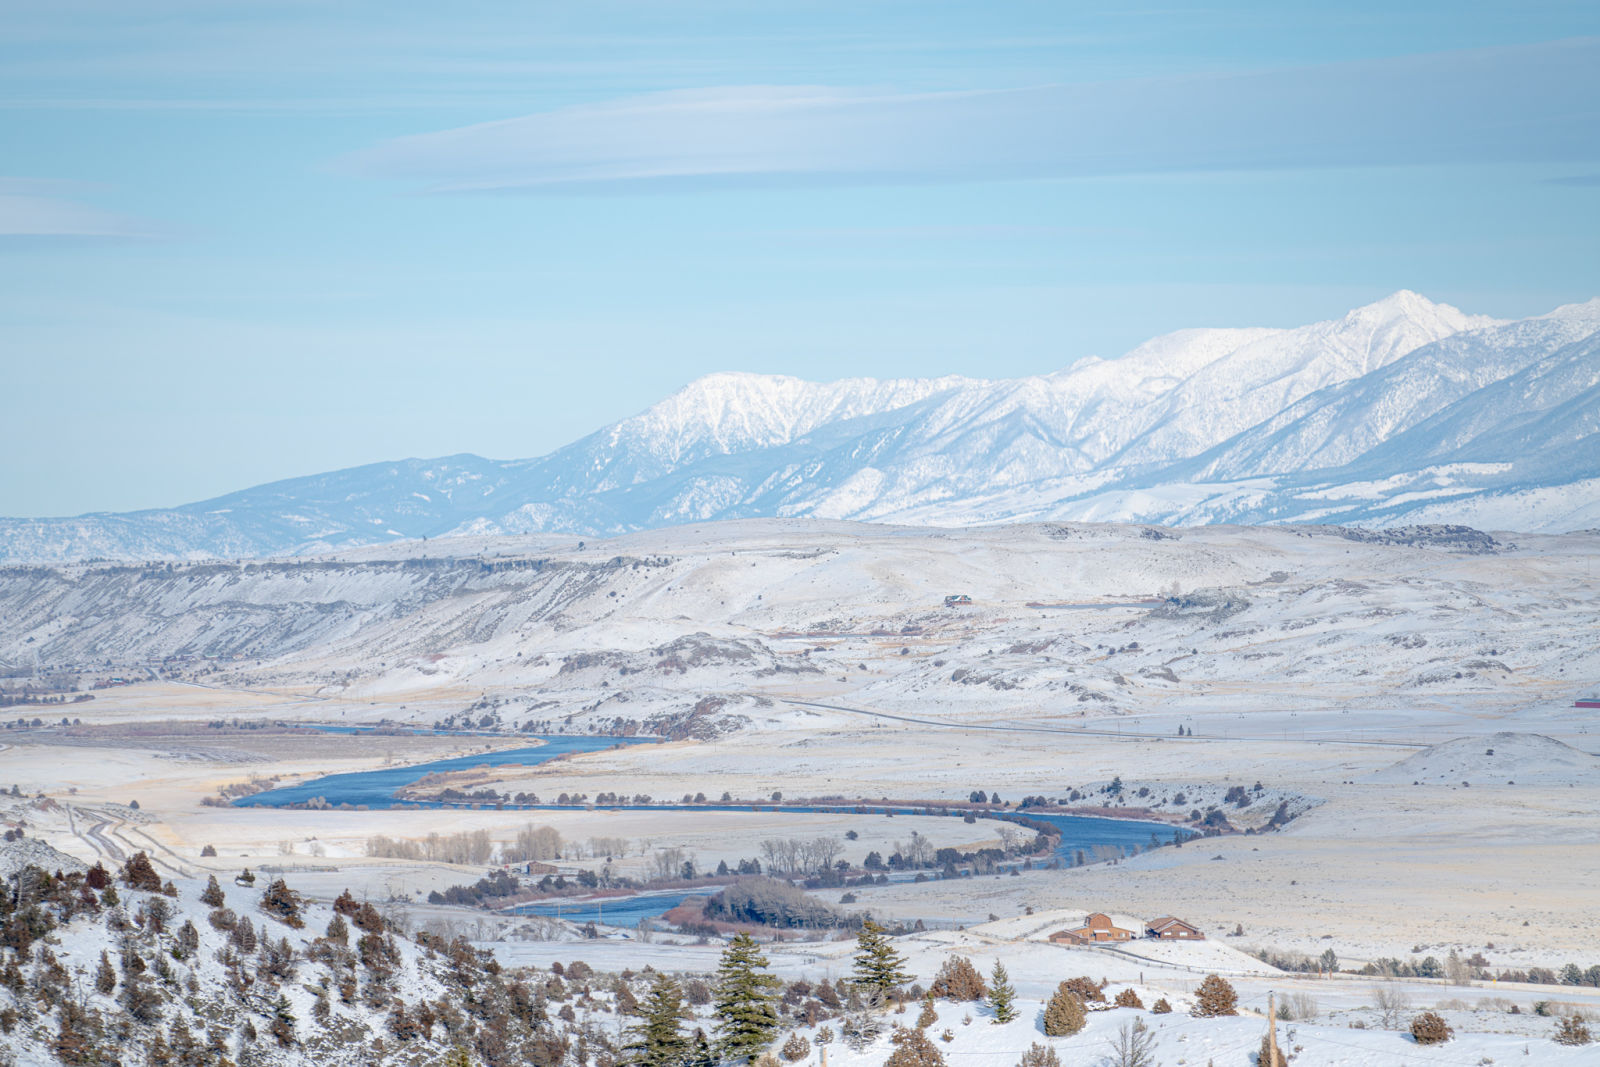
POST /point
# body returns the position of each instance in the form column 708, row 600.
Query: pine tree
column 1213, row 997
column 878, row 967
column 913, row 1049
column 1064, row 1015
column 1429, row 1028
column 659, row 1040
column 139, row 873
column 745, row 1001
column 958, row 979
column 213, row 897
column 105, row 978
column 282, row 1028
column 1002, row 996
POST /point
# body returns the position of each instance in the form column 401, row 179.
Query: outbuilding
column 1168, row 928
column 1097, row 928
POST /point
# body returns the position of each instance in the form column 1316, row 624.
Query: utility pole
column 1273, row 1059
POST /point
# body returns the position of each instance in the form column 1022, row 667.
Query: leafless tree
column 1390, row 1004
column 669, row 862
column 1134, row 1046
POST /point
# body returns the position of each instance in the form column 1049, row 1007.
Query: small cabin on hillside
column 1096, row 928
column 1168, row 928
column 958, row 600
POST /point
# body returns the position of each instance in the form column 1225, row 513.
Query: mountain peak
column 1258, row 411
column 1587, row 311
column 1406, row 306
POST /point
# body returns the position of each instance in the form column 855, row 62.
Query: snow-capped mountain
column 1400, row 411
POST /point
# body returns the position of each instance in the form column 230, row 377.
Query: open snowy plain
column 1408, row 694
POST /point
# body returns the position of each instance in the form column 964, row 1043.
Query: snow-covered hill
column 1402, row 411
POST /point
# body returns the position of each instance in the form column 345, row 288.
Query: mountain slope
column 1386, row 414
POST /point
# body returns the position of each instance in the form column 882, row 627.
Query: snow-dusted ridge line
column 1400, row 411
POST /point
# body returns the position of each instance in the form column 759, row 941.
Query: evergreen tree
column 1064, row 1014
column 1214, row 997
column 458, row 1057
column 1002, row 997
column 213, row 896
column 745, row 1002
column 878, row 967
column 105, row 979
column 659, row 1040
column 282, row 1028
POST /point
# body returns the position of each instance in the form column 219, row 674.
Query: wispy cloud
column 1524, row 104
column 36, row 209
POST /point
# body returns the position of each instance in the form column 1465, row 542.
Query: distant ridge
column 1401, row 412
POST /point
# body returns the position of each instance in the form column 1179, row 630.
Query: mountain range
column 1400, row 412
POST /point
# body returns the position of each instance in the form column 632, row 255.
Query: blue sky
column 245, row 241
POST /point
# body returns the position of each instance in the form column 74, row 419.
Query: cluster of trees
column 533, row 844
column 622, row 798
column 767, row 902
column 496, row 886
column 794, row 856
column 466, row 847
column 748, row 1003
column 14, row 699
column 1571, row 974
column 148, row 1004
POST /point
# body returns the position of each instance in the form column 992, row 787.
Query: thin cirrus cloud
column 37, row 210
column 1535, row 103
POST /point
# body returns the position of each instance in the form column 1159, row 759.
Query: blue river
column 376, row 789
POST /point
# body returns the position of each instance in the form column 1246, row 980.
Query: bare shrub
column 1039, row 1056
column 1133, row 1045
column 1573, row 1031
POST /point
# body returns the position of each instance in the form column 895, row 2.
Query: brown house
column 1096, row 928
column 1168, row 928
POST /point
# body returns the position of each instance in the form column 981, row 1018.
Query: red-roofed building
column 1168, row 928
column 1096, row 928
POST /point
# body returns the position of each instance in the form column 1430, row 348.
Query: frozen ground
column 815, row 658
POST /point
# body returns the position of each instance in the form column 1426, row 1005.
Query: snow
column 1197, row 426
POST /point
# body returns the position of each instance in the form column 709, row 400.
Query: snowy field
column 1410, row 700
